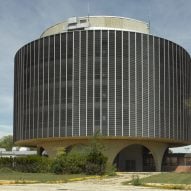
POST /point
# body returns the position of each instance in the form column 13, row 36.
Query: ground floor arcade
column 127, row 154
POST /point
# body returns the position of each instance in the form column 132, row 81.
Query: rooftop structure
column 98, row 23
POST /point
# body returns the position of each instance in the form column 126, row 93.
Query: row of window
column 143, row 80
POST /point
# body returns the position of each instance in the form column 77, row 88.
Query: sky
column 22, row 21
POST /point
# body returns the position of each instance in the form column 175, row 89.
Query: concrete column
column 51, row 151
column 112, row 148
column 158, row 151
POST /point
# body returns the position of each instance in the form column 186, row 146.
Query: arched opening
column 135, row 158
column 170, row 161
column 43, row 152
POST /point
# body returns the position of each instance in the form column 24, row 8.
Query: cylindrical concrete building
column 105, row 74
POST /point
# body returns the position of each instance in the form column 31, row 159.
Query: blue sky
column 22, row 21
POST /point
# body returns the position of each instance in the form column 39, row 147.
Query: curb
column 13, row 182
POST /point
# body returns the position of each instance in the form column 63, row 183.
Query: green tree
column 6, row 142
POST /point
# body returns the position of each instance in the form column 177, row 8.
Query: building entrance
column 135, row 158
column 130, row 165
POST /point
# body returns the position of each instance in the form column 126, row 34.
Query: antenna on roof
column 149, row 26
column 88, row 12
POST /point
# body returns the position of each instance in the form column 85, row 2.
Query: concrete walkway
column 106, row 184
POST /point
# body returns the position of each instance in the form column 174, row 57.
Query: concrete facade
column 112, row 147
column 98, row 22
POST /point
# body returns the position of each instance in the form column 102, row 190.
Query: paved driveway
column 106, row 184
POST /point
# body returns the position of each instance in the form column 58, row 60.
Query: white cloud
column 5, row 130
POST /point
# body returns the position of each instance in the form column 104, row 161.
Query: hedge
column 33, row 164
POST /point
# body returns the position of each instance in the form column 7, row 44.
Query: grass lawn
column 169, row 178
column 38, row 177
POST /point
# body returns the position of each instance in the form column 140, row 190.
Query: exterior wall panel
column 63, row 86
column 139, row 88
column 111, row 83
column 83, row 86
column 97, row 81
column 104, row 81
column 126, row 128
column 117, row 82
column 145, row 87
column 90, row 85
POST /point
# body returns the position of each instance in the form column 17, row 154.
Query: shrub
column 59, row 164
column 136, row 180
column 33, row 164
column 110, row 169
column 96, row 162
column 73, row 163
column 6, row 170
column 88, row 160
column 94, row 169
column 6, row 162
column 57, row 167
column 45, row 164
column 76, row 162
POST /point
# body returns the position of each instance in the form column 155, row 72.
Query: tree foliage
column 86, row 159
column 6, row 142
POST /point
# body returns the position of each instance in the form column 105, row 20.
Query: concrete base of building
column 112, row 146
